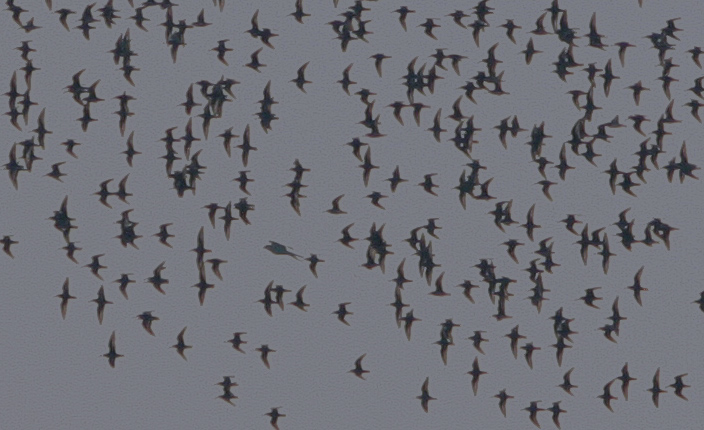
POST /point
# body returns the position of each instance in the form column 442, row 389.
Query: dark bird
column 200, row 249
column 336, row 206
column 429, row 25
column 622, row 46
column 679, row 385
column 346, row 81
column 408, row 320
column 395, row 179
column 95, row 265
column 378, row 58
column 298, row 14
column 529, row 348
column 63, row 15
column 300, row 78
column 299, row 303
column 124, row 281
column 164, row 235
column 533, row 410
column 112, row 354
column 503, row 397
column 221, row 49
column 511, row 245
column 566, row 383
column 425, row 397
column 477, row 340
column 346, row 237
column 313, row 261
column 65, row 297
column 545, row 184
column 215, row 264
column 267, row 301
column 655, row 389
column 589, row 297
column 514, row 336
column 254, row 63
column 181, row 344
column 428, row 184
column 556, row 411
column 130, row 152
column 156, row 279
column 606, row 396
column 147, row 319
column 403, row 12
column 101, row 301
column 637, row 287
column 7, row 242
column 202, row 285
column 236, row 341
column 342, row 312
column 358, row 371
column 275, row 415
column 265, row 350
column 510, row 26
column 367, row 166
column 279, row 291
column 625, row 379
column 476, row 373
column 530, row 51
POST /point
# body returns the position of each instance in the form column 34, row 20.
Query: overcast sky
column 53, row 374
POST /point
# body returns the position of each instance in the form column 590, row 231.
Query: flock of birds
column 351, row 25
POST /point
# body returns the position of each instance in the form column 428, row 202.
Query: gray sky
column 52, row 371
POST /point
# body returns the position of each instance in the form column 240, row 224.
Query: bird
column 313, row 261
column 556, row 411
column 637, row 287
column 396, row 179
column 101, row 301
column 566, row 383
column 147, row 319
column 425, row 397
column 358, row 371
column 275, row 415
column 279, row 249
column 112, row 354
column 237, row 341
column 679, row 385
column 625, row 379
column 95, row 265
column 221, row 49
column 589, row 297
column 476, row 373
column 299, row 303
column 336, row 206
column 403, row 12
column 514, row 336
column 300, row 78
column 65, row 297
column 606, row 396
column 529, row 348
column 265, row 350
column 346, row 237
column 533, row 410
column 164, row 235
column 156, row 279
column 503, row 397
column 7, row 242
column 655, row 389
column 378, row 58
column 181, row 344
column 342, row 312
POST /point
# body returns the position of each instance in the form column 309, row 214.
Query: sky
column 53, row 373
